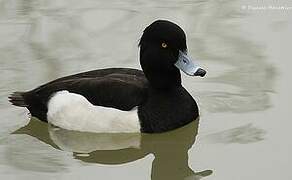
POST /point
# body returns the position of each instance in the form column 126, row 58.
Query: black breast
column 167, row 110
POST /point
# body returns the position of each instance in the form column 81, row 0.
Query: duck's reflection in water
column 170, row 149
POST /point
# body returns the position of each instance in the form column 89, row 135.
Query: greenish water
column 244, row 128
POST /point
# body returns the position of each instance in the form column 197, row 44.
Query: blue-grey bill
column 187, row 65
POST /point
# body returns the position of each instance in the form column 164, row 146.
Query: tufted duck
column 118, row 100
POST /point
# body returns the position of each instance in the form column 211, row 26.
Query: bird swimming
column 115, row 100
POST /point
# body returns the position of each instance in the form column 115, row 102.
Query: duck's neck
column 161, row 80
column 161, row 74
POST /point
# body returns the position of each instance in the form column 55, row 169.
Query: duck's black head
column 163, row 51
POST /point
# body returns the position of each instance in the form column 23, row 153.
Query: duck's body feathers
column 118, row 88
column 73, row 111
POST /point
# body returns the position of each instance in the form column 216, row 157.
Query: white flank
column 74, row 112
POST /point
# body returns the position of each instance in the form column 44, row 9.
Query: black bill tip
column 200, row 72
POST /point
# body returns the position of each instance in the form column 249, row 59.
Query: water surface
column 244, row 128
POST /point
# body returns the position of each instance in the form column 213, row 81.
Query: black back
column 119, row 88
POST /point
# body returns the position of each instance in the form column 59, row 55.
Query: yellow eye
column 164, row 45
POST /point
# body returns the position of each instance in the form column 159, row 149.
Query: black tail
column 17, row 99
